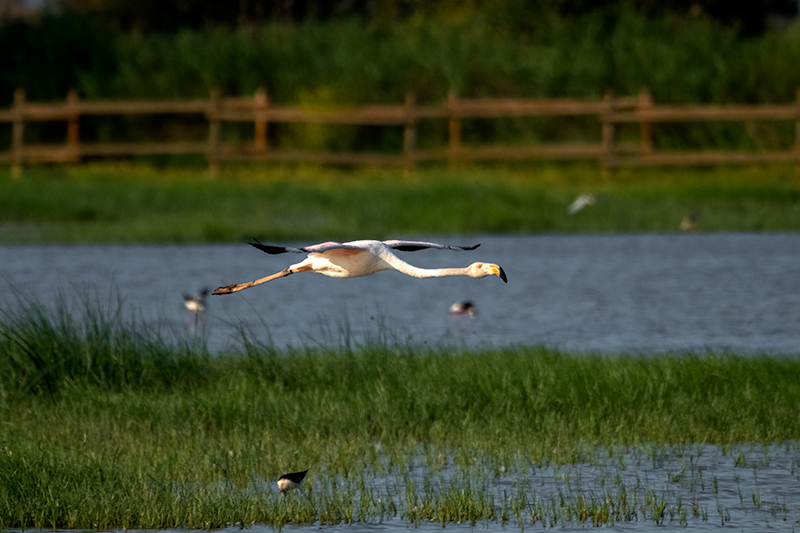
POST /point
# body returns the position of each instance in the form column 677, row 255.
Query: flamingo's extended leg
column 228, row 289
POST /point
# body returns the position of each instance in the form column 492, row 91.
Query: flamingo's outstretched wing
column 314, row 248
column 413, row 246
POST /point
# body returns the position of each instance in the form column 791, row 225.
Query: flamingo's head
column 481, row 270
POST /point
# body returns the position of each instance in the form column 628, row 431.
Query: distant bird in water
column 580, row 202
column 689, row 224
column 291, row 481
column 465, row 308
column 196, row 305
column 461, row 315
column 362, row 258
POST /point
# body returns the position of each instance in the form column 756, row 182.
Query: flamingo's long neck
column 435, row 272
column 411, row 270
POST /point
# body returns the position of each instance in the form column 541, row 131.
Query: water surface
column 611, row 293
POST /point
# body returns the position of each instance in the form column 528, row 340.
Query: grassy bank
column 149, row 204
column 106, row 425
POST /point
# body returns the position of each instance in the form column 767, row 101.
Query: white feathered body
column 365, row 258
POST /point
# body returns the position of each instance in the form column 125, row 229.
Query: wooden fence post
column 214, row 127
column 260, row 105
column 73, row 126
column 18, row 134
column 453, row 128
column 607, row 133
column 410, row 132
column 645, row 128
column 797, row 130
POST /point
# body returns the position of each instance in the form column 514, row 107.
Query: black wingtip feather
column 414, row 248
column 410, row 248
column 273, row 250
column 295, row 477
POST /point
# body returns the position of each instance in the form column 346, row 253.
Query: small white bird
column 291, row 481
column 689, row 223
column 362, row 258
column 197, row 306
column 465, row 308
column 580, row 202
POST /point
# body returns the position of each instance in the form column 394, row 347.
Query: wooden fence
column 611, row 112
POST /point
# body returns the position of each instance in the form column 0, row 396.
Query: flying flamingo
column 362, row 258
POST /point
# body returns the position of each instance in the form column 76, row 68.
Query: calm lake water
column 611, row 293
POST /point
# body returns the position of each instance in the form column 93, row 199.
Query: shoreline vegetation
column 147, row 202
column 105, row 424
column 680, row 58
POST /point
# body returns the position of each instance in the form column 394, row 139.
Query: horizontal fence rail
column 610, row 112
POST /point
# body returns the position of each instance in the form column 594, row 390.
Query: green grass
column 106, row 424
column 140, row 203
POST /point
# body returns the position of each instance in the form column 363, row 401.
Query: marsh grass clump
column 109, row 424
column 44, row 350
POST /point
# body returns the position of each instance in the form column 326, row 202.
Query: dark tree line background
column 749, row 16
column 49, row 51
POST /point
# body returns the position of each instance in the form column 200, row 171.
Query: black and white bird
column 291, row 481
column 465, row 308
column 196, row 306
column 460, row 317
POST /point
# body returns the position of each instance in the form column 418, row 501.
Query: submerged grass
column 106, row 424
column 146, row 204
